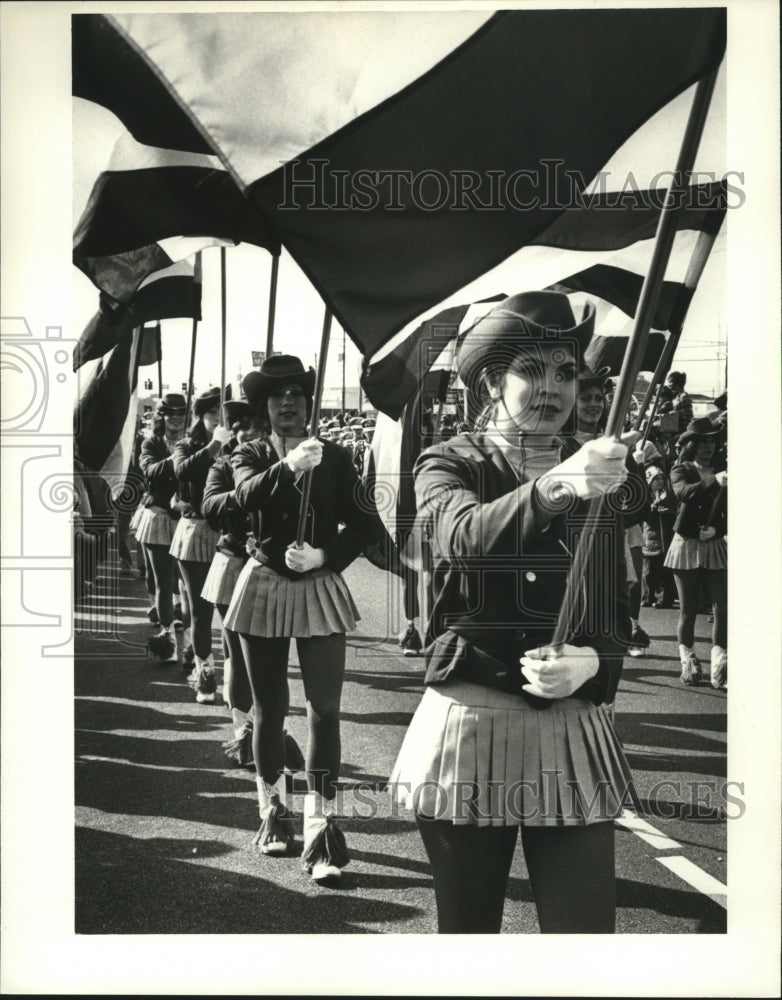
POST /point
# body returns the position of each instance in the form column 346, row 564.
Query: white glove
column 722, row 478
column 595, row 468
column 305, row 456
column 304, row 559
column 557, row 673
column 221, row 434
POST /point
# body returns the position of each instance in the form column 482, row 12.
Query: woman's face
column 590, row 406
column 288, row 410
column 704, row 451
column 175, row 423
column 246, row 434
column 211, row 419
column 539, row 391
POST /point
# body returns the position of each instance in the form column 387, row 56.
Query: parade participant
column 681, row 403
column 698, row 555
column 194, row 541
column 658, row 534
column 224, row 516
column 503, row 713
column 157, row 524
column 287, row 592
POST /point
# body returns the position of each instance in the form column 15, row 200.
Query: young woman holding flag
column 510, row 734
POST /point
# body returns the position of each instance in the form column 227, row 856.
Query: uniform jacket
column 658, row 522
column 191, row 465
column 500, row 563
column 699, row 504
column 220, row 508
column 270, row 493
column 157, row 464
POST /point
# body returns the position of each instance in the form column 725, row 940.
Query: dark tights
column 715, row 584
column 322, row 661
column 239, row 692
column 164, row 573
column 201, row 611
column 634, row 589
column 571, row 872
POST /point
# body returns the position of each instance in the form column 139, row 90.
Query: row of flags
column 416, row 166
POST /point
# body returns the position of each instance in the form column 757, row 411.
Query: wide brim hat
column 701, row 427
column 518, row 322
column 171, row 404
column 274, row 372
column 207, row 401
column 588, row 378
column 236, row 409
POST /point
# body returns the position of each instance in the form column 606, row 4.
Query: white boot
column 163, row 645
column 719, row 667
column 227, row 672
column 240, row 748
column 276, row 830
column 691, row 667
column 325, row 851
column 205, row 683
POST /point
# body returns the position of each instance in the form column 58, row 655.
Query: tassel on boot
column 719, row 667
column 325, row 850
column 691, row 667
column 240, row 748
column 294, row 758
column 275, row 834
column 205, row 683
column 163, row 645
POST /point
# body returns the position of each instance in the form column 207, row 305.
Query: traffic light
column 148, row 384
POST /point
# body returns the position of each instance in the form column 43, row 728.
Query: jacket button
column 283, row 517
column 530, row 576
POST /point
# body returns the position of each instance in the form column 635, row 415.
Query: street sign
column 258, row 358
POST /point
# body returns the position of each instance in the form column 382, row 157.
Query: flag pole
column 223, row 333
column 191, row 375
column 320, row 378
column 647, row 303
column 700, row 256
column 159, row 346
column 272, row 307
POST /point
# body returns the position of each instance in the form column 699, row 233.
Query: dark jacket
column 157, row 465
column 267, row 489
column 191, row 465
column 658, row 522
column 220, row 508
column 500, row 565
column 699, row 505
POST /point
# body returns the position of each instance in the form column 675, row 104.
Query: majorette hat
column 587, row 378
column 701, row 427
column 207, row 401
column 275, row 371
column 172, row 403
column 517, row 322
column 236, row 409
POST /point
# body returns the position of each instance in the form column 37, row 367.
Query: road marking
column 697, row 878
column 646, row 831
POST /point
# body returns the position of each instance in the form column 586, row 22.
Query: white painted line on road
column 646, row 831
column 697, row 878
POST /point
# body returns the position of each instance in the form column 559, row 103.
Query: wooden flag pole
column 159, row 346
column 272, row 307
column 223, row 333
column 633, row 358
column 694, row 271
column 320, row 378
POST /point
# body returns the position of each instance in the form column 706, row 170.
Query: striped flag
column 398, row 155
column 172, row 292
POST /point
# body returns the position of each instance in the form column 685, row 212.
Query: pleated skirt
column 156, row 526
column 221, row 579
column 136, row 519
column 690, row 553
column 267, row 604
column 475, row 755
column 194, row 540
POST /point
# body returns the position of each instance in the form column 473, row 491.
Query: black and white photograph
column 365, row 515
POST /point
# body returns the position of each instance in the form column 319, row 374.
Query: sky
column 299, row 316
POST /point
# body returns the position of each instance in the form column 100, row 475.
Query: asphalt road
column 164, row 824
